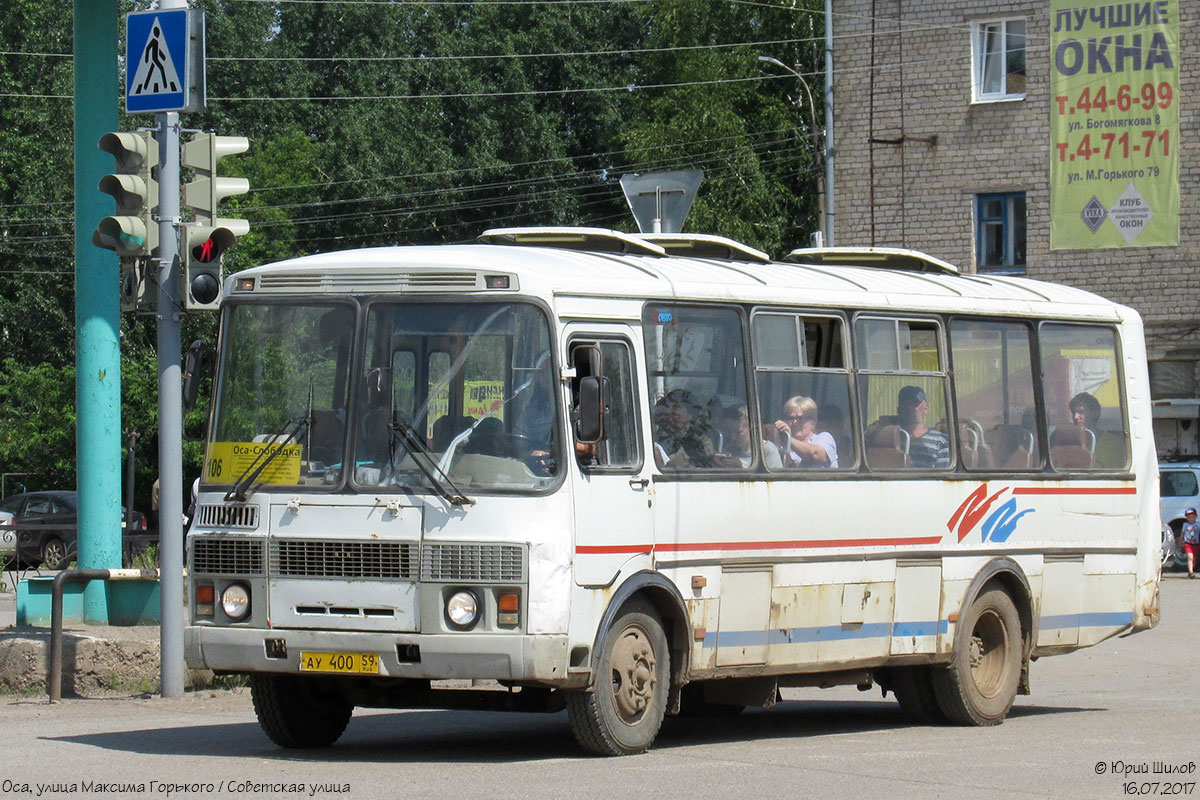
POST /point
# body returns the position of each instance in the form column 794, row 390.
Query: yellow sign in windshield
column 225, row 462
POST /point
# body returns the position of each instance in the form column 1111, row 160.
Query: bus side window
column 995, row 395
column 610, row 361
column 696, row 370
column 803, row 391
column 904, row 393
column 1081, row 385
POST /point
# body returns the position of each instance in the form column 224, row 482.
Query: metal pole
column 170, row 410
column 829, row 149
column 54, row 679
column 129, row 478
column 97, row 306
column 818, row 156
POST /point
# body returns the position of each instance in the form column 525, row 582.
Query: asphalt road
column 1122, row 705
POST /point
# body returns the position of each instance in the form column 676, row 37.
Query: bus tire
column 299, row 712
column 623, row 711
column 980, row 684
column 913, row 687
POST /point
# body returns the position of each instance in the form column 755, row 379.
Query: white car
column 1179, row 490
column 8, row 538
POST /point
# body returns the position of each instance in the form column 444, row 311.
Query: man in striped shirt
column 927, row 448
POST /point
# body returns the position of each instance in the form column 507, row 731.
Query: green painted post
column 97, row 305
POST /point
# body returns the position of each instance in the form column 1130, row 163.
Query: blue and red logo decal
column 997, row 525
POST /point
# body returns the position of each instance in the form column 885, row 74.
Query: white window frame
column 980, row 61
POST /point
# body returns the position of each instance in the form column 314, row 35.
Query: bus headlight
column 462, row 609
column 235, row 601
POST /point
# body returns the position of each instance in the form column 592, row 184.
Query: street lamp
column 818, row 153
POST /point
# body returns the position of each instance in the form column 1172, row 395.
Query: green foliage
column 460, row 133
column 37, row 422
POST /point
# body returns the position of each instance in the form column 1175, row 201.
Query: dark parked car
column 51, row 540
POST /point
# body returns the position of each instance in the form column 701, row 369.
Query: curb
column 92, row 666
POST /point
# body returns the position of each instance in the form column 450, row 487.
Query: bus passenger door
column 609, row 478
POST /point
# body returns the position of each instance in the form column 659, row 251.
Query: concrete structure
column 916, row 148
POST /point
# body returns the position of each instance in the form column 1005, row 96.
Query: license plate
column 345, row 663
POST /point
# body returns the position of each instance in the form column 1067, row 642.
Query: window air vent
column 375, row 280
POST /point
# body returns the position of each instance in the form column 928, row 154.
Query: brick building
column 943, row 137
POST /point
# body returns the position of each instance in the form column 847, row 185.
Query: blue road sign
column 161, row 61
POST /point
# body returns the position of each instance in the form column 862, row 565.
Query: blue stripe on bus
column 876, row 630
column 824, row 633
column 1097, row 619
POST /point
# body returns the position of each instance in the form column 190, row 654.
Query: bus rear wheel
column 623, row 711
column 913, row 687
column 980, row 684
column 295, row 711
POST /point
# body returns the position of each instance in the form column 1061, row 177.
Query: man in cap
column 927, row 448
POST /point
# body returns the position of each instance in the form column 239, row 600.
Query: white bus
column 636, row 476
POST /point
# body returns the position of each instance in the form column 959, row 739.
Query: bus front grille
column 308, row 558
column 496, row 563
column 221, row 556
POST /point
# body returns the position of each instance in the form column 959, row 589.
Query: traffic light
column 205, row 242
column 131, row 231
column 138, row 293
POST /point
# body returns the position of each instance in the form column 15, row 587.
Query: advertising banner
column 1114, row 124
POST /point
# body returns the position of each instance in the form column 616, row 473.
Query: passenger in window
column 734, row 424
column 1085, row 411
column 1108, row 449
column 681, row 435
column 798, row 434
column 927, row 448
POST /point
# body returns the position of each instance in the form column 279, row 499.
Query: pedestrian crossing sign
column 164, row 61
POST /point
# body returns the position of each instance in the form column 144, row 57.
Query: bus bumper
column 515, row 657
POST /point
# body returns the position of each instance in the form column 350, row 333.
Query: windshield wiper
column 271, row 450
column 399, row 428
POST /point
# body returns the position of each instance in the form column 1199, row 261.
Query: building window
column 1001, row 232
column 998, row 60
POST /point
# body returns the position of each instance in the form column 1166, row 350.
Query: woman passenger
column 806, row 446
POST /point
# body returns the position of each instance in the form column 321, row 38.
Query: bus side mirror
column 590, row 425
column 196, row 366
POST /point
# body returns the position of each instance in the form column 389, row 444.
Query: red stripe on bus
column 597, row 549
column 1077, row 490
column 679, row 547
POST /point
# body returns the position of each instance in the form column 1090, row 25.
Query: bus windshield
column 464, row 390
column 285, row 375
column 448, row 396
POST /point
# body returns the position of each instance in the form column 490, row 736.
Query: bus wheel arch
column 642, row 644
column 992, row 643
column 1008, row 575
column 666, row 600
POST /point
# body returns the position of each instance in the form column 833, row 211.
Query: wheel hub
column 633, row 673
column 988, row 654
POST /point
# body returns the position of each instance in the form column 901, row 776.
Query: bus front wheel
column 980, row 684
column 299, row 712
column 623, row 711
